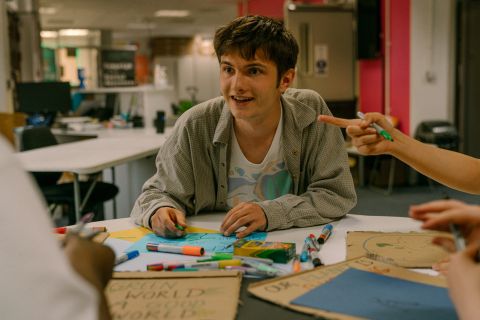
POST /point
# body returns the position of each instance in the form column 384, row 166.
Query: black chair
column 62, row 193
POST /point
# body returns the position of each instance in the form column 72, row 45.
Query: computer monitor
column 44, row 97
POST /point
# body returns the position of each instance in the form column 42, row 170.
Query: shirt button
column 294, row 152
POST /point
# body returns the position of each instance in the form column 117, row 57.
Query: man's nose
column 238, row 82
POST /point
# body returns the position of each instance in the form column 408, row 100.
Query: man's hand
column 364, row 137
column 245, row 214
column 165, row 221
column 93, row 261
column 438, row 215
column 463, row 282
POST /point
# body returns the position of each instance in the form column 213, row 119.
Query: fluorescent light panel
column 172, row 13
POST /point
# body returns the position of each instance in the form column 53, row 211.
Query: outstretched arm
column 451, row 168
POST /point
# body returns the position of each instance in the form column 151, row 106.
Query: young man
column 38, row 279
column 257, row 151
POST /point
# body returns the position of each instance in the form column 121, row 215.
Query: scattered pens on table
column 127, row 256
column 186, row 250
column 379, row 129
column 326, row 231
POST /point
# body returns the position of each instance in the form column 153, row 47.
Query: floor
column 374, row 202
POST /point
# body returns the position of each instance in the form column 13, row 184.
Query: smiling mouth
column 241, row 99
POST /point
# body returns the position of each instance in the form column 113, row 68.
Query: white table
column 91, row 156
column 333, row 251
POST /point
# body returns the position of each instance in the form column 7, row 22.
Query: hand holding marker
column 379, row 129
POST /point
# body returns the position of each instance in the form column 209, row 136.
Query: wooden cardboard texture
column 174, row 295
column 404, row 249
column 285, row 289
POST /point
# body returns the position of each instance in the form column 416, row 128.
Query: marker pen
column 304, row 253
column 313, row 242
column 220, row 264
column 265, row 268
column 325, row 233
column 229, row 256
column 127, row 256
column 155, row 267
column 186, row 250
column 63, row 230
column 317, row 262
column 379, row 129
column 457, row 236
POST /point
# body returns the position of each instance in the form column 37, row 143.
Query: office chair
column 62, row 193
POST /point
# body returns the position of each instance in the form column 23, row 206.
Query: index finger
column 339, row 122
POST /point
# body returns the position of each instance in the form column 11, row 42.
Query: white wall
column 432, row 76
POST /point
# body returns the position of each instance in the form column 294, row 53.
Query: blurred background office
column 86, row 65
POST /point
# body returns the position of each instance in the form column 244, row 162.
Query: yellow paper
column 135, row 234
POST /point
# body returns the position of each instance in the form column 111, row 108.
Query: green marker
column 379, row 129
column 179, row 227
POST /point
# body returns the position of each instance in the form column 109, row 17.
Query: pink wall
column 400, row 63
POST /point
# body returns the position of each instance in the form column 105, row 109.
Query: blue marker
column 325, row 234
column 304, row 253
column 127, row 256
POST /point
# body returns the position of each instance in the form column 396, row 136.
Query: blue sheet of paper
column 211, row 242
column 374, row 296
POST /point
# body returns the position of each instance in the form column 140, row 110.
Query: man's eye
column 254, row 71
column 228, row 69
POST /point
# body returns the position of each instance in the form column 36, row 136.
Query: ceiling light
column 172, row 13
column 47, row 10
column 73, row 32
column 48, row 34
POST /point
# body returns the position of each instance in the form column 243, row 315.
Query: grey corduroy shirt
column 192, row 166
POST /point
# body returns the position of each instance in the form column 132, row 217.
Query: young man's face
column 251, row 87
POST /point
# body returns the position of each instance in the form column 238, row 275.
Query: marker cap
column 193, row 250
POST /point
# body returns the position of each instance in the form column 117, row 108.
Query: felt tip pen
column 317, row 262
column 379, row 129
column 304, row 253
column 326, row 231
column 155, row 267
column 229, row 256
column 179, row 227
column 220, row 264
column 76, row 229
column 63, row 230
column 127, row 256
column 296, row 266
column 313, row 242
column 186, row 250
column 250, row 271
column 265, row 267
column 457, row 236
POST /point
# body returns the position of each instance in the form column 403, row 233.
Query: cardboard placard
column 404, row 249
column 174, row 295
column 285, row 289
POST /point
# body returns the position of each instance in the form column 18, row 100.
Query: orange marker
column 296, row 266
column 187, row 250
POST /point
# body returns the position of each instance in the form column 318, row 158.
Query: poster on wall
column 117, row 68
column 321, row 59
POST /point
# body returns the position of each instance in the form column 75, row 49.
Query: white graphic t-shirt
column 249, row 181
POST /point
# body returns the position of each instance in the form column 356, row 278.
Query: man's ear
column 286, row 80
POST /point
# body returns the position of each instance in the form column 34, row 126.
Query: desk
column 93, row 155
column 334, row 251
